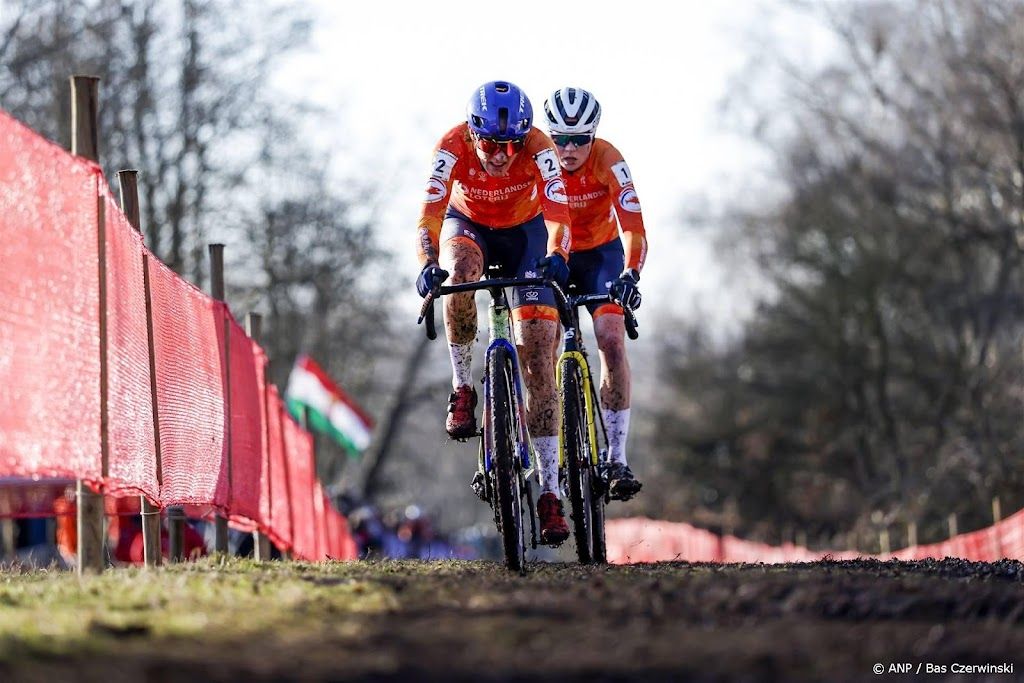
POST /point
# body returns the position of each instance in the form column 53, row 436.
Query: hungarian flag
column 328, row 409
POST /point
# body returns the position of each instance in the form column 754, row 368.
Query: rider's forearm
column 427, row 238
column 634, row 245
column 559, row 238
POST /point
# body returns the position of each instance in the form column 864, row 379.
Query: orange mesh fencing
column 187, row 333
column 132, row 467
column 265, row 516
column 638, row 539
column 280, row 492
column 246, row 426
column 224, row 442
column 299, row 461
column 49, row 309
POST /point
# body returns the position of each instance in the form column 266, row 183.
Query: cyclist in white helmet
column 602, row 203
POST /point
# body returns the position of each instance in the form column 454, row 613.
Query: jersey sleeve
column 627, row 207
column 435, row 202
column 551, row 188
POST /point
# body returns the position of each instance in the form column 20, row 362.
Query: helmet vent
column 503, row 119
column 501, row 87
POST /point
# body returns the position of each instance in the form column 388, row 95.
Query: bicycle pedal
column 479, row 486
column 464, row 439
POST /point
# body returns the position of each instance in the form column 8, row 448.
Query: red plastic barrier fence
column 187, row 331
column 648, row 540
column 280, row 530
column 635, row 540
column 247, row 428
column 299, row 446
column 320, row 515
column 49, row 301
column 265, row 515
column 132, row 467
column 225, row 443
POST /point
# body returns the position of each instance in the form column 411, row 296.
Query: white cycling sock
column 617, row 424
column 547, row 457
column 462, row 361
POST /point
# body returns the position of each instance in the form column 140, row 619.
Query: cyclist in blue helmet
column 495, row 196
column 499, row 113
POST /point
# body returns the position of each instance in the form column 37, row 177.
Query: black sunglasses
column 578, row 140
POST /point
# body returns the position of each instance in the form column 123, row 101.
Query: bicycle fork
column 500, row 335
column 588, row 404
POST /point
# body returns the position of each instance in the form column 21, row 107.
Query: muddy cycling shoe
column 461, row 421
column 622, row 485
column 479, row 485
column 553, row 528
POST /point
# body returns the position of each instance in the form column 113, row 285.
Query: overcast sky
column 394, row 76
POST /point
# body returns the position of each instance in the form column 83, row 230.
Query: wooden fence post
column 85, row 143
column 952, row 524
column 6, row 538
column 128, row 181
column 883, row 541
column 217, row 292
column 260, row 541
column 911, row 534
column 175, row 533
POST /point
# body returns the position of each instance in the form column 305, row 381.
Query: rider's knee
column 536, row 350
column 463, row 260
column 612, row 346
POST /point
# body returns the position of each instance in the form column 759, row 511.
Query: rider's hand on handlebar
column 624, row 290
column 555, row 268
column 430, row 277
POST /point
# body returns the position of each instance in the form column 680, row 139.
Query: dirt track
column 830, row 621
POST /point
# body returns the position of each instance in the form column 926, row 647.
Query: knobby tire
column 599, row 549
column 501, row 434
column 577, row 460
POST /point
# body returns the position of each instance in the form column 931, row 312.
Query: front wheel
column 598, row 547
column 577, row 460
column 501, row 432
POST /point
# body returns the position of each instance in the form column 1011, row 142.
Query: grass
column 399, row 620
column 58, row 613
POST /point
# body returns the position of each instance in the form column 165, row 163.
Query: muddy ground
column 472, row 621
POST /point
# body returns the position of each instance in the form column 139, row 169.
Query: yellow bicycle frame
column 588, row 405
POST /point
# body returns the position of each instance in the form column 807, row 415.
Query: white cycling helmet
column 572, row 111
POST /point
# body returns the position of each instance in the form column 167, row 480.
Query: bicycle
column 504, row 453
column 579, row 456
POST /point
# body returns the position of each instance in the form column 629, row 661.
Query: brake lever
column 427, row 312
column 631, row 323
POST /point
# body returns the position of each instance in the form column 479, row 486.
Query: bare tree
column 186, row 101
column 881, row 379
column 181, row 80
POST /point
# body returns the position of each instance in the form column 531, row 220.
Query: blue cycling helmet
column 499, row 110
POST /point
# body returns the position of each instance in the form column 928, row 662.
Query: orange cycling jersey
column 533, row 185
column 601, row 183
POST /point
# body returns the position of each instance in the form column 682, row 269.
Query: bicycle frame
column 579, row 455
column 574, row 349
column 502, row 357
column 500, row 338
